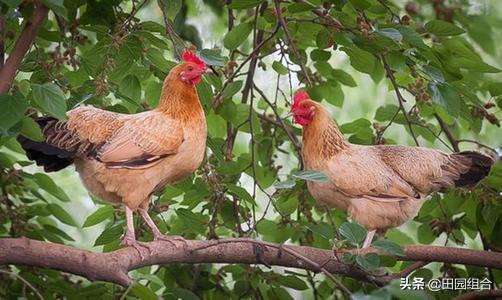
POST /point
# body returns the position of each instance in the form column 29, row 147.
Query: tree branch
column 2, row 40
column 291, row 43
column 490, row 294
column 22, row 46
column 400, row 97
column 114, row 266
column 448, row 133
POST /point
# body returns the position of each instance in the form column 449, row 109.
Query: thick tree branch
column 22, row 46
column 2, row 40
column 489, row 294
column 114, row 266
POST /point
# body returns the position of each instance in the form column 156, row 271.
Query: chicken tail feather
column 479, row 168
column 44, row 154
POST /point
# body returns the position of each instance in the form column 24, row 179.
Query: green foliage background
column 446, row 60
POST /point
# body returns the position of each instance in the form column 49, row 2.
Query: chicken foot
column 157, row 235
column 129, row 239
column 368, row 239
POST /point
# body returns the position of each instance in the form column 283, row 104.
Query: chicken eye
column 190, row 69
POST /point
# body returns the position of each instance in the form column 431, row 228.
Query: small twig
column 178, row 43
column 477, row 143
column 411, row 269
column 26, row 282
column 291, row 43
column 255, row 50
column 126, row 292
column 400, row 97
column 292, row 137
column 451, row 138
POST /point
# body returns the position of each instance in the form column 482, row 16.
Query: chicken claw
column 130, row 241
column 157, row 235
column 172, row 239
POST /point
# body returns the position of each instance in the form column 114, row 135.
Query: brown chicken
column 379, row 186
column 125, row 158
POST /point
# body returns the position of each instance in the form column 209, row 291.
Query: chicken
column 124, row 158
column 380, row 186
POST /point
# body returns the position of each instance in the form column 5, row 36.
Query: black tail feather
column 480, row 168
column 50, row 157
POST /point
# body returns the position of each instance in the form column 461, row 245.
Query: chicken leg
column 157, row 235
column 369, row 238
column 129, row 239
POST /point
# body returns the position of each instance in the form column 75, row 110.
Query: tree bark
column 114, row 266
column 23, row 44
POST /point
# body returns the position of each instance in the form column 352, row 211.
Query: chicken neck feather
column 322, row 137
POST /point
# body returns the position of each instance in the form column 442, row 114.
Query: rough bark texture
column 23, row 44
column 114, row 266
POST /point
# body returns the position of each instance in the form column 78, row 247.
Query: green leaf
column 158, row 60
column 13, row 107
column 243, row 4
column 50, row 99
column 144, row 292
column 443, row 28
column 191, row 217
column 109, row 235
column 353, row 232
column 287, row 205
column 361, row 60
column 425, row 234
column 293, row 282
column 152, row 26
column 323, row 39
column 386, row 113
column 152, row 93
column 232, row 89
column 320, row 55
column 240, row 192
column 101, row 214
column 370, row 261
column 310, row 176
column 171, row 7
column 391, row 33
column 279, row 68
column 61, row 214
column 46, row 183
column 286, row 184
column 31, row 130
column 57, row 6
column 495, row 89
column 343, row 77
column 237, row 36
column 360, row 4
column 131, row 87
column 58, row 231
column 434, row 73
column 212, row 57
column 446, row 97
column 388, row 247
column 322, row 229
column 12, row 3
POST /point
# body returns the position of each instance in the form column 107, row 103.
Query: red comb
column 190, row 56
column 299, row 96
